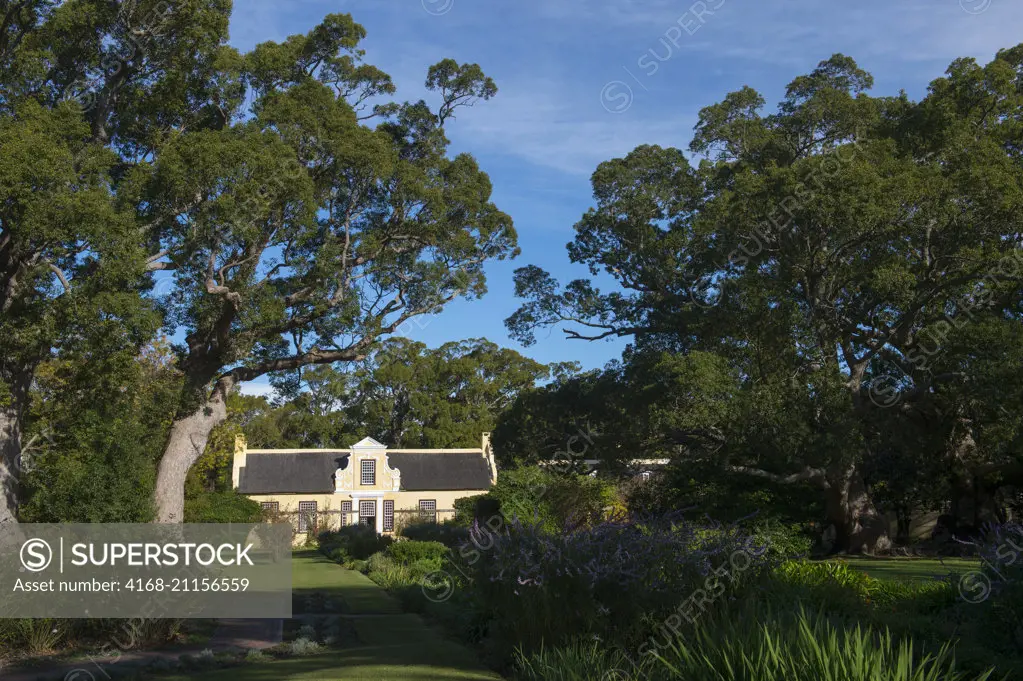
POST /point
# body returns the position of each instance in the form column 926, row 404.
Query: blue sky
column 583, row 81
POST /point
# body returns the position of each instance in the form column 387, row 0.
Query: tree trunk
column 859, row 528
column 188, row 437
column 974, row 500
column 12, row 414
column 904, row 520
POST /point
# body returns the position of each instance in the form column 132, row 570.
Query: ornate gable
column 349, row 478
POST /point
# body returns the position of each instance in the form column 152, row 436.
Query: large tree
column 825, row 251
column 414, row 396
column 314, row 227
column 89, row 90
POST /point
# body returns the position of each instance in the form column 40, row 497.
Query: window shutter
column 346, row 511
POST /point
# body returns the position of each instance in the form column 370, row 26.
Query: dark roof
column 441, row 471
column 304, row 472
column 313, row 472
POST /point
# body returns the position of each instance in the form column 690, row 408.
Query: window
column 388, row 515
column 271, row 506
column 346, row 513
column 306, row 516
column 368, row 512
column 369, row 472
column 428, row 509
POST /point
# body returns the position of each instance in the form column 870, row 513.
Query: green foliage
column 95, row 428
column 480, row 507
column 577, row 661
column 412, row 396
column 832, row 584
column 404, row 394
column 33, row 636
column 783, row 541
column 799, row 645
column 449, row 532
column 752, row 643
column 304, row 212
column 222, row 507
column 75, row 247
column 555, row 501
column 212, row 471
column 408, row 552
column 380, row 562
column 358, row 542
column 786, row 257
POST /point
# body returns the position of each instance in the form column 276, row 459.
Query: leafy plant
column 797, row 646
column 577, row 661
column 449, row 533
column 358, row 542
column 408, row 552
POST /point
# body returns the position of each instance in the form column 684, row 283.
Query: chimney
column 239, row 459
column 488, row 454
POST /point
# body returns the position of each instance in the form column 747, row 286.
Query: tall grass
column 577, row 661
column 800, row 646
column 755, row 645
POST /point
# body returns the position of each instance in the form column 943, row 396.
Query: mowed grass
column 314, row 577
column 912, row 569
column 389, row 646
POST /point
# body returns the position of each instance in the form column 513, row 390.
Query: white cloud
column 259, row 388
column 549, row 110
column 538, row 121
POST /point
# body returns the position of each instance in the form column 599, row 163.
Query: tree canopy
column 286, row 210
column 836, row 255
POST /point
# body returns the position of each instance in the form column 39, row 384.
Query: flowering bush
column 609, row 580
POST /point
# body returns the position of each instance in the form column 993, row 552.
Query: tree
column 413, row 396
column 302, row 235
column 823, row 251
column 88, row 91
column 94, row 432
column 404, row 394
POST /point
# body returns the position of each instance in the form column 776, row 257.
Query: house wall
column 328, row 506
column 349, row 487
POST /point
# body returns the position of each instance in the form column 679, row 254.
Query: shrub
column 552, row 500
column 449, row 533
column 1002, row 607
column 254, row 656
column 784, row 540
column 339, row 555
column 303, row 646
column 358, row 542
column 34, row 636
column 479, row 508
column 380, row 562
column 222, row 507
column 604, row 580
column 408, row 552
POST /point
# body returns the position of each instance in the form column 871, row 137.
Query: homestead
column 368, row 483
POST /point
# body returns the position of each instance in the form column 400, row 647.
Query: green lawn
column 389, row 645
column 913, row 569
